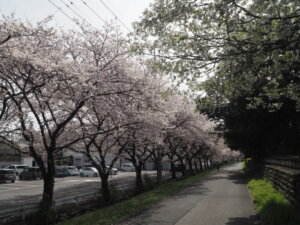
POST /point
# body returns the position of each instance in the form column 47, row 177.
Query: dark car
column 61, row 172
column 31, row 173
column 6, row 174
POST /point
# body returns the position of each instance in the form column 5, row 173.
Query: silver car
column 73, row 171
column 89, row 172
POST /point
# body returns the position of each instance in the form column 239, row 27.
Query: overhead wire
column 78, row 14
column 73, row 4
column 90, row 8
column 63, row 12
column 111, row 11
column 72, row 10
column 93, row 11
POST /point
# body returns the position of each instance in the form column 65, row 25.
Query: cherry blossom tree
column 49, row 76
column 189, row 136
column 148, row 119
column 81, row 90
column 103, row 124
column 40, row 80
column 101, row 132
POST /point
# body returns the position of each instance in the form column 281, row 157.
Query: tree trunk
column 159, row 167
column 46, row 213
column 105, row 189
column 139, row 185
column 183, row 168
column 47, row 200
column 200, row 162
column 205, row 163
column 173, row 170
column 196, row 166
column 191, row 167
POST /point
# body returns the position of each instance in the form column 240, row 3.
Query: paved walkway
column 220, row 199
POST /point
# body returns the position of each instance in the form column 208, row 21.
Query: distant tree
column 187, row 136
column 144, row 136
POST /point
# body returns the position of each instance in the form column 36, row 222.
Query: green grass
column 273, row 208
column 116, row 212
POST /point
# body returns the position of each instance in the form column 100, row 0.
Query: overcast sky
column 35, row 10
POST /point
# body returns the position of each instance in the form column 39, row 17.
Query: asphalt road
column 220, row 199
column 24, row 192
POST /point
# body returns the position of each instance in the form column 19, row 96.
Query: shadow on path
column 236, row 177
column 196, row 191
column 252, row 220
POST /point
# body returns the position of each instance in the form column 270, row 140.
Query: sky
column 93, row 11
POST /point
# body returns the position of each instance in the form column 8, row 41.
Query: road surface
column 25, row 192
column 220, row 199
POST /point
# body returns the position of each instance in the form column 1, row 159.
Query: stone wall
column 284, row 179
column 288, row 161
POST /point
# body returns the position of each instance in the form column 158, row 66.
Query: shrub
column 273, row 208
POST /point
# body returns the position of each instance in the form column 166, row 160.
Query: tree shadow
column 190, row 191
column 251, row 220
column 195, row 189
column 238, row 178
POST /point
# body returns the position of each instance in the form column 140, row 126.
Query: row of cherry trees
column 81, row 90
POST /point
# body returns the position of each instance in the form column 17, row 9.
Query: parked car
column 113, row 171
column 30, row 173
column 72, row 171
column 3, row 166
column 61, row 172
column 7, row 174
column 88, row 172
column 17, row 168
column 127, row 167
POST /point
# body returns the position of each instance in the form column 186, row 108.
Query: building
column 9, row 156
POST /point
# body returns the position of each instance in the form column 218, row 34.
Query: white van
column 17, row 168
column 127, row 167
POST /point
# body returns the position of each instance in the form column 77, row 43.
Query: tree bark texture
column 106, row 194
column 139, row 184
column 159, row 167
column 173, row 170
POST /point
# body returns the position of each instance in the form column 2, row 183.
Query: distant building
column 78, row 159
column 9, row 155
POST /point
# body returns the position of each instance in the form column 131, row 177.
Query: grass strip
column 273, row 208
column 114, row 213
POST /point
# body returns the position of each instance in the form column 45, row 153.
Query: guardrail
column 24, row 210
